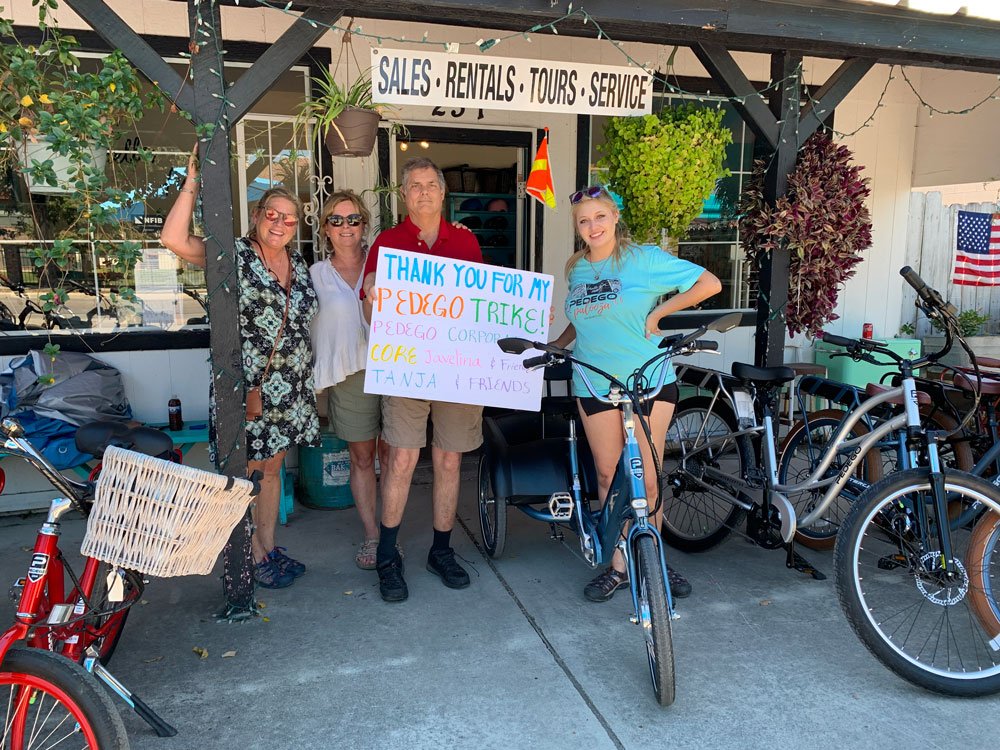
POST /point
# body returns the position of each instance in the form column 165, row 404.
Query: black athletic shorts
column 592, row 406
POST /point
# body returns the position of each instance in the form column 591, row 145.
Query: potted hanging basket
column 353, row 132
column 66, row 168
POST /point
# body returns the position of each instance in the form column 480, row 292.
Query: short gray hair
column 422, row 162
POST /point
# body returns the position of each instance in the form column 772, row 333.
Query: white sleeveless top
column 339, row 330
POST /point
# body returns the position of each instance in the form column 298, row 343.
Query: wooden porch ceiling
column 821, row 28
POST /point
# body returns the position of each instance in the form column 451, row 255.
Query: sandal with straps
column 605, row 585
column 365, row 559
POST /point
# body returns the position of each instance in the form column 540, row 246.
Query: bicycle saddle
column 95, row 437
column 990, row 386
column 763, row 375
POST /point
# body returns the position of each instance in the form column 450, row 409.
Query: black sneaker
column 391, row 585
column 680, row 587
column 441, row 562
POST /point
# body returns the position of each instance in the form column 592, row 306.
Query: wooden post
column 772, row 296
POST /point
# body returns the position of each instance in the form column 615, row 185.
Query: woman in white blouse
column 340, row 336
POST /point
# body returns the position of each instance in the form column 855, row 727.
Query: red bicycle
column 66, row 626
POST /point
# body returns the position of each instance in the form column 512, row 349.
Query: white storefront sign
column 435, row 324
column 478, row 81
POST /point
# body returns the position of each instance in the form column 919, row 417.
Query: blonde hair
column 623, row 240
column 339, row 197
column 275, row 192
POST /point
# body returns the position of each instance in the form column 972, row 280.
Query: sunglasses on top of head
column 353, row 220
column 589, row 192
column 273, row 214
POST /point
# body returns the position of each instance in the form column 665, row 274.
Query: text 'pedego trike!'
column 534, row 462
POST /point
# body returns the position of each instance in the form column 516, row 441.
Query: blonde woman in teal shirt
column 614, row 284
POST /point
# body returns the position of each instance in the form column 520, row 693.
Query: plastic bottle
column 175, row 420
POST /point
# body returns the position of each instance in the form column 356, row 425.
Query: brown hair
column 623, row 239
column 339, row 197
column 275, row 192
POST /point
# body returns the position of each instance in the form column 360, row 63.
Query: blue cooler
column 324, row 474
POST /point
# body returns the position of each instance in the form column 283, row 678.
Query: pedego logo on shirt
column 586, row 300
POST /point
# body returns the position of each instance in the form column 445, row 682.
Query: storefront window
column 169, row 295
column 713, row 240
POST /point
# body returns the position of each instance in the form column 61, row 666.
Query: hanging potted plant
column 825, row 222
column 58, row 120
column 344, row 117
column 664, row 166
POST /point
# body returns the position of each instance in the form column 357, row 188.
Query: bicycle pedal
column 561, row 506
column 891, row 562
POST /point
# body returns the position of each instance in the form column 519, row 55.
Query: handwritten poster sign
column 452, row 80
column 435, row 324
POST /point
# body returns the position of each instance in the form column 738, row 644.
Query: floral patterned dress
column 289, row 402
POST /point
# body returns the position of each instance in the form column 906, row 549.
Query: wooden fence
column 930, row 249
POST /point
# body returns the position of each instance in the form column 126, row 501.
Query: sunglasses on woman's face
column 273, row 214
column 590, row 192
column 353, row 220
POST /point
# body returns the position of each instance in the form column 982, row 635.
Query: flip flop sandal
column 365, row 559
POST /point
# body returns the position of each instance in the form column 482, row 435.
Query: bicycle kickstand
column 799, row 563
column 162, row 728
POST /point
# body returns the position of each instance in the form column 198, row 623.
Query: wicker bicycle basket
column 160, row 518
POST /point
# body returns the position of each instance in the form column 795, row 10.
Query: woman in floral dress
column 270, row 272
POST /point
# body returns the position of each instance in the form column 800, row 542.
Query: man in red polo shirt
column 457, row 427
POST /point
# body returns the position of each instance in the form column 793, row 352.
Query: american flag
column 977, row 258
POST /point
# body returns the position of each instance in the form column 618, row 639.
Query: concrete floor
column 518, row 660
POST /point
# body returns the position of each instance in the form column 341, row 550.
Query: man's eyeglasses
column 589, row 192
column 272, row 215
column 353, row 220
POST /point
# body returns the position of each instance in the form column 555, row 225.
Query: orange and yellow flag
column 539, row 184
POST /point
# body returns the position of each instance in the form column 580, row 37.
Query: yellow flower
column 3, row 128
column 27, row 101
column 44, row 99
column 25, row 122
column 111, row 87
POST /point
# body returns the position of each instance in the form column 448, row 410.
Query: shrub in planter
column 823, row 219
column 665, row 166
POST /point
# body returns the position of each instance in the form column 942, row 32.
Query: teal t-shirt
column 608, row 305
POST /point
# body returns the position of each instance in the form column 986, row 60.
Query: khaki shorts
column 354, row 416
column 457, row 427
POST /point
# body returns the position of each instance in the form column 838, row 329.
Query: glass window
column 713, row 240
column 169, row 295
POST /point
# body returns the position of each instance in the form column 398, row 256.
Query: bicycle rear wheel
column 53, row 702
column 917, row 619
column 694, row 518
column 654, row 618
column 492, row 513
column 801, row 452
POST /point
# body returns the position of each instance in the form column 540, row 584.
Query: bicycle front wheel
column 654, row 618
column 694, row 518
column 922, row 615
column 53, row 702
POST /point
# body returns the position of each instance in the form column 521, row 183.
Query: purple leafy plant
column 825, row 222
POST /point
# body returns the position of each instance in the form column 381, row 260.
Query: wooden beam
column 830, row 94
column 279, row 57
column 820, row 28
column 119, row 35
column 205, row 22
column 727, row 73
column 772, row 298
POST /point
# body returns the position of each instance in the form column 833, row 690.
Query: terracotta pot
column 65, row 171
column 353, row 132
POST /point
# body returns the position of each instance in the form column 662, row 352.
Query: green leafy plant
column 50, row 98
column 664, row 166
column 824, row 221
column 907, row 329
column 970, row 323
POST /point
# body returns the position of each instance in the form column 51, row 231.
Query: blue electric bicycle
column 533, row 460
